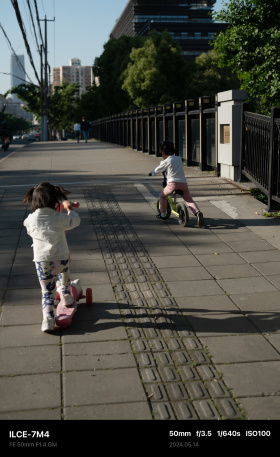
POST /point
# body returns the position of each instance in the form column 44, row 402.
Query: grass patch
column 259, row 195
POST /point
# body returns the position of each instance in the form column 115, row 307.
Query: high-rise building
column 17, row 72
column 189, row 22
column 74, row 73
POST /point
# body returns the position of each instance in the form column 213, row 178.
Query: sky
column 75, row 28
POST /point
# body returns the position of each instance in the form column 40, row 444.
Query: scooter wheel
column 89, row 297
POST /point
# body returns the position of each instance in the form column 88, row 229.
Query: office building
column 189, row 22
column 74, row 73
column 17, row 73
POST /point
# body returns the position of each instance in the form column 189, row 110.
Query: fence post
column 273, row 170
column 229, row 132
column 244, row 107
column 189, row 105
column 203, row 101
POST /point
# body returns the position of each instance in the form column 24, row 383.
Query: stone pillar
column 229, row 132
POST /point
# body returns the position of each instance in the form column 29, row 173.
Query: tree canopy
column 156, row 72
column 250, row 45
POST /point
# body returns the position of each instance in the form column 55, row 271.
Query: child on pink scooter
column 46, row 225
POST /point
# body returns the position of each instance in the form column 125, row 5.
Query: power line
column 12, row 49
column 31, row 17
column 21, row 25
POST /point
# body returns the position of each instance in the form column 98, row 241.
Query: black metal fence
column 193, row 131
column 260, row 149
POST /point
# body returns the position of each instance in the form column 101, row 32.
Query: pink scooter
column 64, row 314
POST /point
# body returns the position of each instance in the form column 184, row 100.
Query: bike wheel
column 183, row 214
column 168, row 209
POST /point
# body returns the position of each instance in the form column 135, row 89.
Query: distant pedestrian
column 85, row 127
column 77, row 131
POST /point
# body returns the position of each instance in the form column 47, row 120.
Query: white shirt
column 46, row 227
column 173, row 167
column 77, row 127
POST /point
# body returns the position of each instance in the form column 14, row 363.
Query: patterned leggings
column 48, row 273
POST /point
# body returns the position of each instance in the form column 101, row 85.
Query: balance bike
column 179, row 210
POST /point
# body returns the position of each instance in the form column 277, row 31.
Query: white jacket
column 46, row 227
column 173, row 167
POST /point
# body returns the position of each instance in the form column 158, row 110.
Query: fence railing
column 260, row 149
column 193, row 131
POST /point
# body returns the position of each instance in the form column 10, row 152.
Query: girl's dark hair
column 167, row 147
column 45, row 195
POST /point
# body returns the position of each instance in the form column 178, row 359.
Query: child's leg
column 47, row 283
column 65, row 283
column 188, row 198
column 170, row 187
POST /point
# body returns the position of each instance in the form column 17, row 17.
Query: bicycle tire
column 183, row 217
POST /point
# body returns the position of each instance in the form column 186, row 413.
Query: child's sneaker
column 47, row 324
column 67, row 299
column 200, row 219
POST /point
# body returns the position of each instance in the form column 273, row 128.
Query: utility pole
column 44, row 87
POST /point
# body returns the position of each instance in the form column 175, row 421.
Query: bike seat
column 178, row 192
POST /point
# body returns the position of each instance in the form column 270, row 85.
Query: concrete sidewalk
column 185, row 323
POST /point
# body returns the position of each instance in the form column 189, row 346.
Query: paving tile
column 261, row 256
column 184, row 410
column 266, row 322
column 29, row 392
column 163, row 411
column 185, row 274
column 86, row 331
column 27, row 335
column 256, row 301
column 206, row 304
column 187, row 260
column 268, row 268
column 194, row 288
column 118, row 411
column 252, row 379
column 221, row 324
column 232, row 271
column 241, row 348
column 102, row 386
column 28, row 360
column 211, row 248
column 230, row 258
column 245, row 246
column 261, row 408
column 275, row 341
column 247, row 285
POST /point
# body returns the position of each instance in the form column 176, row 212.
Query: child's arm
column 67, row 205
column 159, row 169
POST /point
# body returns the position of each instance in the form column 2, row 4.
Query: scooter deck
column 64, row 314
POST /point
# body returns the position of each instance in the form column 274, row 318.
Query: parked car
column 37, row 136
column 17, row 136
column 31, row 137
column 25, row 136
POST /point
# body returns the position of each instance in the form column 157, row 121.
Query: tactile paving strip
column 179, row 378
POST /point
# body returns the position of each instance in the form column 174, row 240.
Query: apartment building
column 73, row 73
column 189, row 22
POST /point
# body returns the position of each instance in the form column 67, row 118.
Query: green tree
column 250, row 45
column 16, row 124
column 107, row 68
column 61, row 104
column 156, row 73
column 208, row 78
